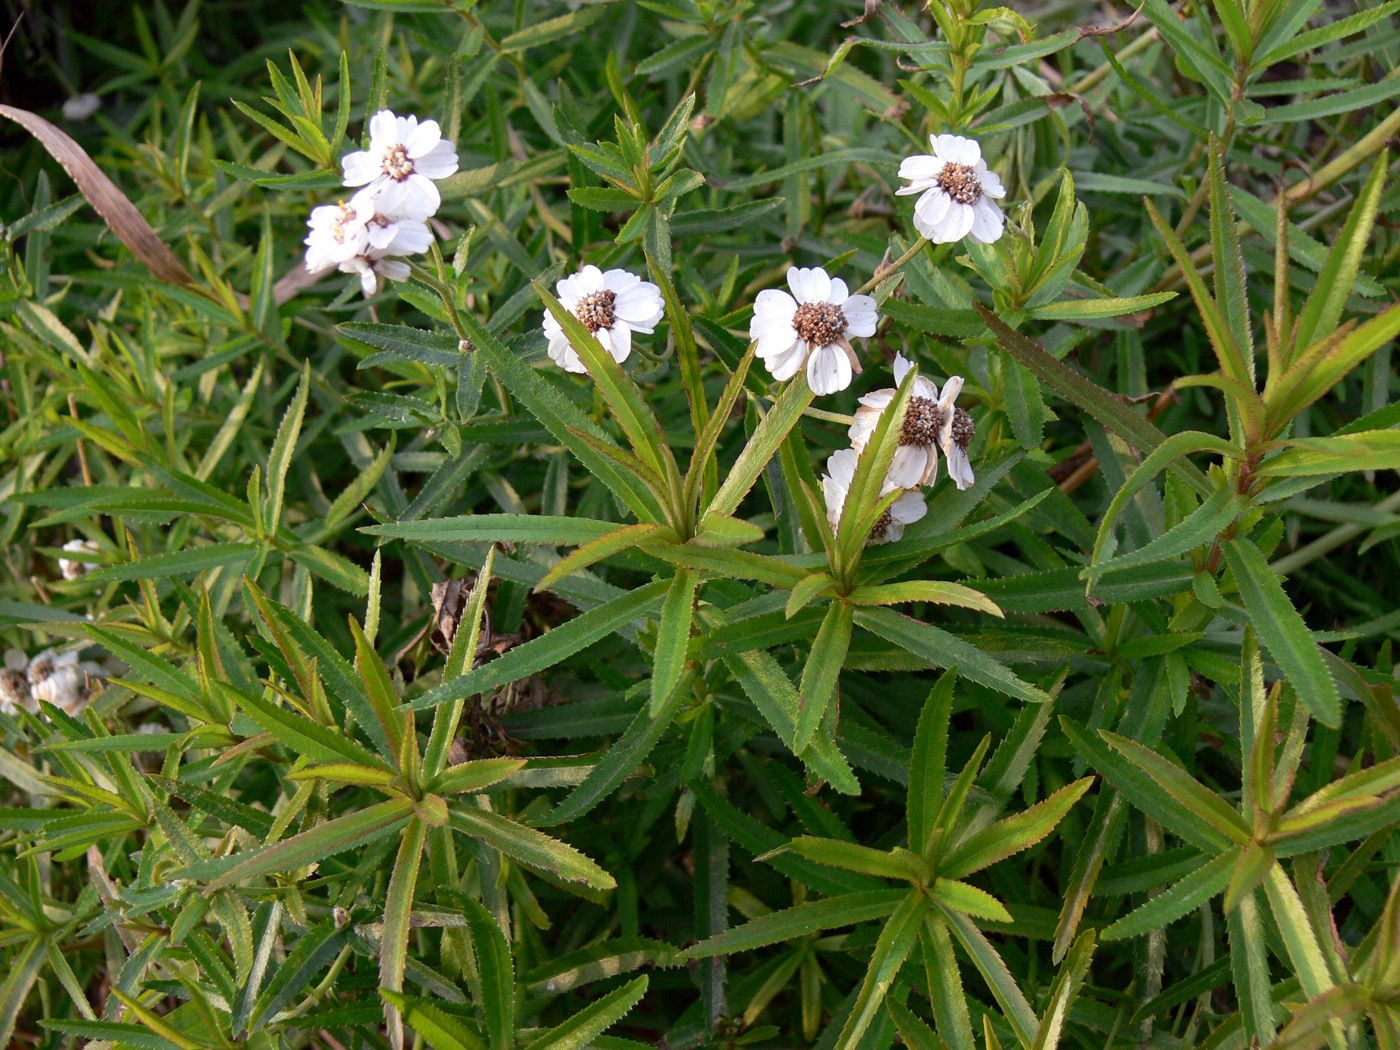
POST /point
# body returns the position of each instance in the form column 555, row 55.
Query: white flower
column 812, row 327
column 338, row 232
column 373, row 265
column 80, row 107
column 930, row 423
column 15, row 695
column 612, row 305
column 836, row 486
column 65, row 688
column 74, row 568
column 956, row 190
column 403, row 159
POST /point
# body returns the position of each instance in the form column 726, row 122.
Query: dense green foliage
column 430, row 693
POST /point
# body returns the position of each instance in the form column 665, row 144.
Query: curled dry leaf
column 102, row 193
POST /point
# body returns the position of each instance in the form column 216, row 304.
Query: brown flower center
column 922, row 421
column 877, row 531
column 595, row 310
column 40, row 670
column 963, row 428
column 14, row 687
column 398, row 164
column 819, row 324
column 960, row 182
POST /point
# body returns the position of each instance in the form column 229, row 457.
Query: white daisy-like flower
column 403, row 159
column 338, row 232
column 73, row 568
column 65, row 687
column 371, row 266
column 812, row 327
column 611, row 304
column 956, row 191
column 930, row 423
column 836, row 486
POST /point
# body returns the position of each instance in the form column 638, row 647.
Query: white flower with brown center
column 15, row 694
column 73, row 568
column 956, row 191
column 338, row 232
column 836, row 487
column 611, row 304
column 403, row 159
column 370, row 266
column 813, row 327
column 930, row 423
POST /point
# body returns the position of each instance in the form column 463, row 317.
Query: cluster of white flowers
column 810, row 327
column 57, row 678
column 387, row 219
column 931, row 423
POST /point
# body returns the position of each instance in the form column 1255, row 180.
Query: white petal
column 839, row 292
column 563, row 355
column 423, row 199
column 921, row 166
column 907, row 466
column 439, row 163
column 422, row 139
column 394, row 269
column 383, row 132
column 991, row 185
column 902, row 365
column 956, row 225
column 861, row 318
column 809, row 284
column 617, row 280
column 932, row 206
column 404, row 128
column 640, row 306
column 786, row 364
column 987, row 221
column 360, row 167
column 828, row 370
column 589, row 279
column 958, row 150
column 951, row 389
column 960, row 469
column 925, row 388
column 909, row 508
column 621, row 342
column 774, row 303
column 551, row 326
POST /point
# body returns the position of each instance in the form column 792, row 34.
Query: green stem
column 894, row 267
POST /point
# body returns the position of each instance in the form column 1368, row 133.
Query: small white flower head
column 813, row 327
column 930, row 423
column 403, row 159
column 46, row 663
column 836, row 486
column 338, row 232
column 65, row 688
column 611, row 304
column 80, row 107
column 73, row 568
column 371, row 266
column 955, row 434
column 956, row 192
column 15, row 694
column 390, row 232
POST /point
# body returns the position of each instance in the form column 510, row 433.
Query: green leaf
column 1304, row 457
column 495, row 974
column 1063, row 993
column 614, row 542
column 1012, row 834
column 323, row 840
column 1204, row 803
column 177, row 563
column 398, row 910
column 1203, row 525
column 584, row 1027
column 672, row 639
column 792, row 924
column 547, row 650
column 474, row 776
column 892, row 948
column 942, row 649
column 1008, row 995
column 928, row 763
column 762, row 444
column 529, row 846
column 851, row 856
column 1206, row 882
column 821, row 672
column 968, row 900
column 1103, row 405
column 441, row 1030
column 280, row 458
column 1094, row 309
column 1283, row 631
column 936, row 591
column 301, row 734
column 313, row 952
column 497, row 528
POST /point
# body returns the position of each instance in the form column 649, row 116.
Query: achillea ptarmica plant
column 931, row 422
column 813, row 327
column 611, row 304
column 836, row 487
column 957, row 192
